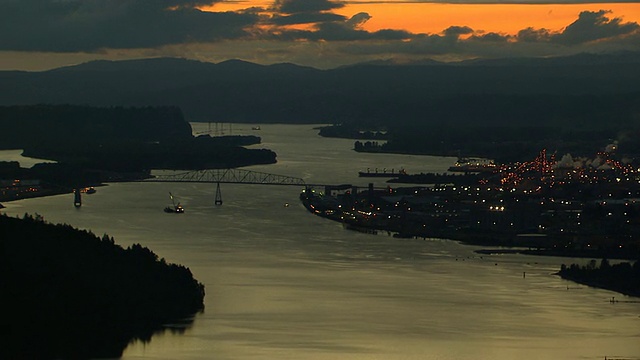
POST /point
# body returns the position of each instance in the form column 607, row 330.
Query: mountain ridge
column 240, row 91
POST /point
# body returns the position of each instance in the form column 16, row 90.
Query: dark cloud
column 341, row 29
column 89, row 25
column 533, row 35
column 592, row 26
column 497, row 2
column 455, row 31
column 292, row 12
column 157, row 25
column 343, row 32
column 306, row 18
column 305, row 6
column 358, row 20
column 592, row 31
column 491, row 37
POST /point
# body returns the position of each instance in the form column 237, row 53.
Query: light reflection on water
column 16, row 155
column 282, row 283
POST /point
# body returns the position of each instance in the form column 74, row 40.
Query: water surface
column 284, row 284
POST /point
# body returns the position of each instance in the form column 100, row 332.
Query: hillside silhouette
column 238, row 91
column 74, row 295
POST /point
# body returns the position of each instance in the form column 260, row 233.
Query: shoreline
column 600, row 285
column 33, row 195
column 330, row 208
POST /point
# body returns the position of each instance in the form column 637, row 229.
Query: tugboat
column 174, row 208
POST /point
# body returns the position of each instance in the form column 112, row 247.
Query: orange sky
column 435, row 17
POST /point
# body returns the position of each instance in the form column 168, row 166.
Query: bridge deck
column 232, row 176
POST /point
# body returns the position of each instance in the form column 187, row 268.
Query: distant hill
column 372, row 93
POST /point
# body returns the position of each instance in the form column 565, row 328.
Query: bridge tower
column 218, row 195
column 77, row 198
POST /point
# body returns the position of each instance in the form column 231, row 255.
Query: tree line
column 72, row 294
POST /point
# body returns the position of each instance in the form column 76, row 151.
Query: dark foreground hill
column 69, row 294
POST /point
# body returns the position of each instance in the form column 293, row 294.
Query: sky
column 43, row 34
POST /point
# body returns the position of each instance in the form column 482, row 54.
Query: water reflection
column 16, row 155
column 284, row 284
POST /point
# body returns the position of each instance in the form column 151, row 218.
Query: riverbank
column 436, row 213
column 623, row 277
column 75, row 295
column 21, row 195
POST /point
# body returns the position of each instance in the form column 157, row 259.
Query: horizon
column 323, row 34
column 382, row 62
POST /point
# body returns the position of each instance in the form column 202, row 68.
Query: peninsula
column 91, row 145
column 577, row 207
column 75, row 295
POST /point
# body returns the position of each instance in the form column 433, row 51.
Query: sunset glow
column 317, row 33
column 432, row 18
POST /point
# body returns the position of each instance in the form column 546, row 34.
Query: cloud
column 497, row 2
column 591, row 32
column 336, row 28
column 455, row 31
column 592, row 26
column 305, row 18
column 358, row 20
column 491, row 37
column 167, row 27
column 533, row 35
column 292, row 12
column 90, row 25
column 305, row 6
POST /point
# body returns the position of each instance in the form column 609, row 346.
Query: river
column 284, row 284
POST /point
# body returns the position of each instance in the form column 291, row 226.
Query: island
column 93, row 145
column 79, row 296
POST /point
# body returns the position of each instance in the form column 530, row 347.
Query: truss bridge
column 227, row 176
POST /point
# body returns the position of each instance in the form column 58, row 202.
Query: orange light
column 433, row 18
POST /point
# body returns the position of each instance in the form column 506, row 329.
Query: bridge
column 233, row 176
column 228, row 176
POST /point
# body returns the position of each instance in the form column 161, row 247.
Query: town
column 569, row 207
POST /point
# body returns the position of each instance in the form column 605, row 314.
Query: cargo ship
column 473, row 165
column 384, row 173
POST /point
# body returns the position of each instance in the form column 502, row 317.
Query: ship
column 384, row 173
column 477, row 165
column 174, row 208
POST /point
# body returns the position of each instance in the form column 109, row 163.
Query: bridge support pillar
column 77, row 198
column 218, row 195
